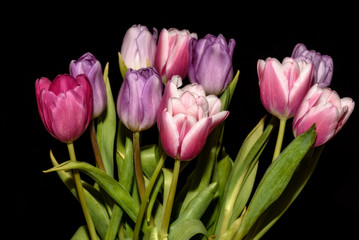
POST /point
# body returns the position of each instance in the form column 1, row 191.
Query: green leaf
column 113, row 188
column 123, row 67
column 245, row 162
column 106, row 128
column 186, row 229
column 276, row 178
column 81, row 234
column 150, row 156
column 95, row 205
column 226, row 96
column 293, row 189
column 199, row 204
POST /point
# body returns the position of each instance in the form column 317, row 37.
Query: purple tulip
column 210, row 63
column 323, row 64
column 87, row 64
column 65, row 105
column 139, row 98
column 139, row 47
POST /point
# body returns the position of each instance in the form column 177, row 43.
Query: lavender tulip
column 139, row 47
column 323, row 64
column 210, row 63
column 139, row 98
column 88, row 64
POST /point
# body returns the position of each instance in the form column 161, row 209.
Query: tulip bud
column 87, row 64
column 323, row 64
column 323, row 107
column 65, row 105
column 188, row 118
column 283, row 85
column 139, row 98
column 139, row 47
column 210, row 63
column 172, row 55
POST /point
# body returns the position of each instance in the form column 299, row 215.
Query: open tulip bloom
column 218, row 198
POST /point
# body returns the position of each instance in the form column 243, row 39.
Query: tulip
column 187, row 118
column 210, row 63
column 323, row 64
column 87, row 64
column 283, row 85
column 326, row 109
column 172, row 55
column 139, row 47
column 139, row 98
column 65, row 105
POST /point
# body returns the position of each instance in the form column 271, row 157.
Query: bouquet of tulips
column 135, row 191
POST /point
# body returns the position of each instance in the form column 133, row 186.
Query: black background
column 42, row 40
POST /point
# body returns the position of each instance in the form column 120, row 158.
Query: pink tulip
column 65, row 105
column 186, row 117
column 172, row 55
column 323, row 107
column 283, row 85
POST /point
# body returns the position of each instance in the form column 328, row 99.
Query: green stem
column 138, row 168
column 81, row 195
column 170, row 199
column 278, row 145
column 147, row 195
column 95, row 147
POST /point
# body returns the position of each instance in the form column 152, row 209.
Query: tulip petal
column 150, row 100
column 273, row 87
column 195, row 139
column 69, row 114
column 169, row 134
column 218, row 118
column 325, row 117
column 215, row 65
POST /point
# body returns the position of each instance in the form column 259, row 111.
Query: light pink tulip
column 283, row 85
column 172, row 55
column 186, row 118
column 323, row 107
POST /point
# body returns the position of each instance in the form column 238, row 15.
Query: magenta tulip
column 172, row 55
column 139, row 47
column 187, row 118
column 283, row 85
column 323, row 107
column 65, row 105
column 88, row 64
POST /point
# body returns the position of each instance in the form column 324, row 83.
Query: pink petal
column 273, row 86
column 195, row 139
column 218, row 118
column 300, row 88
column 169, row 134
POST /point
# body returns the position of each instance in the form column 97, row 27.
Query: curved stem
column 170, row 200
column 138, row 168
column 278, row 145
column 81, row 195
column 96, row 149
column 144, row 203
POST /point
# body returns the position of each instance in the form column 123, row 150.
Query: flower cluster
column 214, row 201
column 298, row 87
